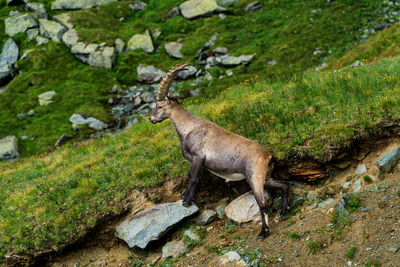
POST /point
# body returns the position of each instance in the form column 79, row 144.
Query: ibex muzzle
column 227, row 155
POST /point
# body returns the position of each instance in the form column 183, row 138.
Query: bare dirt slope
column 309, row 238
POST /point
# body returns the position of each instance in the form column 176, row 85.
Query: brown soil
column 372, row 232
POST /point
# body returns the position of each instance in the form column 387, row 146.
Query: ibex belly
column 230, row 177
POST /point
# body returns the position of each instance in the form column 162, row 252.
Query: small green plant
column 314, row 246
column 294, row 235
column 351, row 253
column 367, row 179
column 381, row 174
column 190, row 243
column 381, row 204
column 398, row 193
column 201, row 232
column 272, row 259
column 354, row 203
column 372, row 263
column 134, row 262
column 231, row 227
column 167, row 263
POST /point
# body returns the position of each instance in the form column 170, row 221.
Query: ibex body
column 227, row 155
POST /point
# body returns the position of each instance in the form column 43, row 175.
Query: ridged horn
column 167, row 80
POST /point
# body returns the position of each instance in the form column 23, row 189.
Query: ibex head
column 164, row 103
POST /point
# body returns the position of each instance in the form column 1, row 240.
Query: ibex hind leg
column 284, row 187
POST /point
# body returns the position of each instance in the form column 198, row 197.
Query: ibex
column 225, row 154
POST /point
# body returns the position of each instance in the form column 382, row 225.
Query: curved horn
column 167, row 80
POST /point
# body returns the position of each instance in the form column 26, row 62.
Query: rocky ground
column 368, row 236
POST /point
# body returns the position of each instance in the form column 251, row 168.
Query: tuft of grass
column 313, row 246
column 372, row 263
column 351, row 253
column 398, row 193
column 354, row 203
column 231, row 227
column 367, row 179
column 381, row 204
column 294, row 235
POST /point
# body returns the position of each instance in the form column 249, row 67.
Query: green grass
column 354, row 203
column 294, row 235
column 313, row 246
column 367, row 179
column 372, row 263
column 350, row 254
column 51, row 200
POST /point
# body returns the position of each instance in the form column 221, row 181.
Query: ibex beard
column 225, row 154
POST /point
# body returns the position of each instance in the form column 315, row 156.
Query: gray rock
column 62, row 140
column 64, row 19
column 173, row 249
column 220, row 51
column 20, row 23
column 173, row 49
column 77, row 119
column 231, row 61
column 141, row 41
column 96, row 124
column 137, row 6
column 21, row 116
column 220, row 211
column 272, row 62
column 191, row 234
column 346, row 185
column 83, row 51
column 119, row 45
column 222, row 16
column 9, row 53
column 194, row 9
column 357, row 185
column 389, row 161
column 149, row 74
column 325, row 203
column 103, row 58
column 32, row 34
column 206, row 46
column 173, row 13
column 311, row 197
column 70, row 38
column 31, row 113
column 226, row 2
column 357, row 64
column 231, row 258
column 156, row 33
column 206, row 217
column 9, row 148
column 152, row 223
column 361, row 169
column 78, row 4
column 244, row 208
column 37, row 8
column 188, row 73
column 41, row 40
column 46, row 98
column 148, row 97
column 340, row 207
column 51, row 29
column 253, row 6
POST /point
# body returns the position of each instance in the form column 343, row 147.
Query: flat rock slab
column 21, row 23
column 231, row 61
column 153, row 223
column 200, row 8
column 8, row 148
column 388, row 161
column 245, row 208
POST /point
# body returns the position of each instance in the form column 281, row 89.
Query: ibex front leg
column 197, row 164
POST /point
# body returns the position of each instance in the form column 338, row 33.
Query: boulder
column 194, row 9
column 389, row 161
column 253, row 6
column 119, row 45
column 206, row 217
column 188, row 73
column 173, row 249
column 70, row 38
column 226, row 2
column 78, row 4
column 8, row 148
column 37, row 8
column 9, row 52
column 103, row 58
column 51, row 29
column 231, row 61
column 96, row 124
column 229, row 259
column 46, row 98
column 152, row 223
column 77, row 119
column 137, row 6
column 64, row 19
column 244, row 208
column 141, row 41
column 20, row 23
column 149, row 74
column 173, row 49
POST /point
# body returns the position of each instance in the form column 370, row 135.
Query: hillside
column 317, row 123
column 285, row 37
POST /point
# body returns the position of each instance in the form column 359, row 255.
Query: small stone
column 173, row 249
column 9, row 148
column 365, row 208
column 31, row 113
column 141, row 41
column 37, row 8
column 231, row 258
column 220, row 51
column 119, row 45
column 32, row 34
column 194, row 9
column 272, row 62
column 77, row 119
column 51, row 29
column 191, row 234
column 206, row 217
column 245, row 208
column 64, row 19
column 226, row 2
column 24, row 137
column 173, row 49
column 389, row 161
column 253, row 6
column 209, row 228
column 21, row 116
column 70, row 38
column 229, row 73
column 311, row 197
column 96, row 124
column 361, row 169
column 137, row 6
column 324, row 203
column 222, row 16
column 187, row 73
column 346, row 185
column 357, row 185
column 149, row 74
column 220, row 211
column 46, row 98
column 173, row 13
column 41, row 40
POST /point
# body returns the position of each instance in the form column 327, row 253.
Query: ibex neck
column 182, row 120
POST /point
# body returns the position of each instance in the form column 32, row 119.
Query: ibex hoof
column 263, row 234
column 186, row 203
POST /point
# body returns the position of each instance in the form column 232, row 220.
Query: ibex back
column 227, row 155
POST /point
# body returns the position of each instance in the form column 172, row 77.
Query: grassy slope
column 50, row 200
column 285, row 31
column 383, row 44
